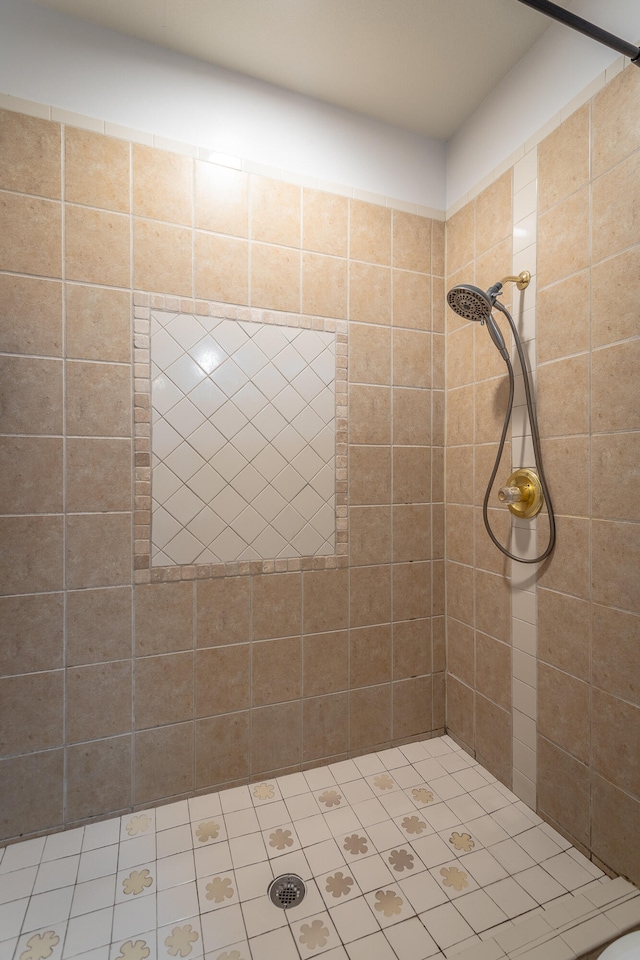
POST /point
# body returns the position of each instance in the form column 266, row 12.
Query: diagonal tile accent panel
column 243, row 440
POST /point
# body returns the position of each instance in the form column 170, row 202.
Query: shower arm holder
column 522, row 493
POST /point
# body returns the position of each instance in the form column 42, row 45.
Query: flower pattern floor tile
column 407, row 854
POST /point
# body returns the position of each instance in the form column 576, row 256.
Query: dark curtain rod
column 583, row 26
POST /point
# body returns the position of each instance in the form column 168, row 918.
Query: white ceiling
column 424, row 65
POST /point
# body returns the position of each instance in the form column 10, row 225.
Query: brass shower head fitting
column 521, row 281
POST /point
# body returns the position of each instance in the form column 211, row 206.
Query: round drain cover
column 287, row 890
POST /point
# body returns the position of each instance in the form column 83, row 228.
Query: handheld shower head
column 472, row 303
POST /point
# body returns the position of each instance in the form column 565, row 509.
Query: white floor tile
column 344, row 771
column 272, row 814
column 260, row 916
column 62, row 845
column 480, row 911
column 324, row 857
column 432, row 850
column 253, row 881
column 446, row 925
column 93, row 895
column 512, row 857
column 371, row 872
column 483, row 867
column 174, row 840
column 539, row 884
column 354, row 920
column 567, row 871
column 102, row 834
column 370, row 811
column 315, row 935
column 338, row 886
column 21, row 855
column 133, row 918
column 213, row 859
column 389, row 905
column 88, row 931
column 11, row 917
column 46, row 909
column 301, row 806
column 510, row 897
column 375, row 945
column 172, row 871
column 423, row 892
column 175, row 940
column 172, row 815
column 177, row 904
column 312, row 830
column 356, row 791
column 247, row 849
column 18, row 884
column 410, row 940
column 276, row 943
column 223, row 928
column 204, row 808
column 342, row 821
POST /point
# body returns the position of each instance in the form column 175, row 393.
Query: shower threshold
column 407, row 854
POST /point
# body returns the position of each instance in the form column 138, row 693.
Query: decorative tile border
column 143, row 304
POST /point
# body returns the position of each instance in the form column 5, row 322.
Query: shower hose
column 535, row 435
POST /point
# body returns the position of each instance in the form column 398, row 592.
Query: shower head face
column 469, row 302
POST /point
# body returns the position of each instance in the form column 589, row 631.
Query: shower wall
column 117, row 691
column 578, row 713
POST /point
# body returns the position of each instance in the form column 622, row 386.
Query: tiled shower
column 138, row 667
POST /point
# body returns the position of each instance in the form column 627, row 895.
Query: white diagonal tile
column 288, row 483
column 185, row 330
column 250, row 359
column 249, row 400
column 307, row 503
column 206, row 440
column 289, row 362
column 229, row 377
column 308, row 384
column 271, row 340
column 229, row 462
column 184, row 505
column 164, row 439
column 269, row 503
column 206, row 526
column 164, row 349
column 288, row 402
column 269, row 381
column 185, row 373
column 288, row 523
column 308, row 424
column 184, row 461
column 164, row 393
column 206, row 483
column 309, row 344
column 325, row 405
column 289, row 443
column 229, row 420
column 184, row 548
column 248, row 483
column 207, row 397
column 307, row 463
column 228, row 505
column 249, row 441
column 325, row 366
column 324, row 521
column 269, row 463
column 269, row 422
column 207, row 354
column 308, row 541
column 230, row 335
column 324, row 482
column 163, row 317
column 228, row 546
column 249, row 524
column 269, row 544
column 163, row 527
column 324, row 443
column 185, row 418
column 164, row 483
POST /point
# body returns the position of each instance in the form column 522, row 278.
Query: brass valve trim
column 532, row 497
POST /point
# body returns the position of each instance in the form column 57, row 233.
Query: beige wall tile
column 98, row 323
column 31, row 318
column 437, row 247
column 460, row 233
column 412, row 417
column 30, row 235
column 369, row 414
column 31, row 632
column 485, row 457
column 493, row 672
column 460, row 415
column 461, row 711
column 32, row 557
column 97, row 246
column 614, row 194
column 269, row 749
column 614, row 756
column 411, row 241
column 98, row 399
column 30, row 156
column 275, row 277
column 616, row 827
column 98, row 475
column 325, row 601
column 556, row 416
column 30, row 475
column 460, row 356
column 275, row 211
column 612, row 282
column 221, row 268
column 325, row 726
column 163, row 689
column 369, row 293
column 31, row 712
column 276, row 671
column 31, row 395
column 223, row 611
column 563, row 159
column 493, row 213
column 369, row 535
column 487, row 555
column 411, row 300
column 97, row 170
column 222, row 680
column 324, row 285
column 276, row 606
column 563, row 790
column 325, row 663
column 412, row 475
column 98, row 701
column 163, row 762
column 369, row 716
column 369, row 232
column 437, row 305
column 491, row 398
column 563, row 238
column 163, row 618
column 460, row 533
column 461, row 657
column 615, row 563
column 438, row 360
column 162, row 258
column 568, row 569
column 562, row 316
column 369, row 474
column 493, row 739
column 411, row 358
column 493, row 605
column 369, row 354
column 613, row 378
column 615, row 652
column 222, row 749
column 25, row 807
column 324, row 222
column 568, row 457
column 222, row 199
column 564, row 632
column 411, row 707
column 568, row 727
column 369, row 595
column 438, row 705
column 98, row 778
column 162, row 185
column 460, row 592
column 616, row 128
column 411, row 590
column 98, row 550
column 438, row 405
column 98, row 625
column 412, row 533
column 614, row 459
column 459, row 474
column 369, row 656
column 488, row 361
column 411, row 649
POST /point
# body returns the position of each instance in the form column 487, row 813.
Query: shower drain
column 287, row 890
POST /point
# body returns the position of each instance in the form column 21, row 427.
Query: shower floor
column 410, row 853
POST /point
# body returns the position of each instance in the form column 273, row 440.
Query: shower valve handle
column 522, row 493
column 512, row 495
